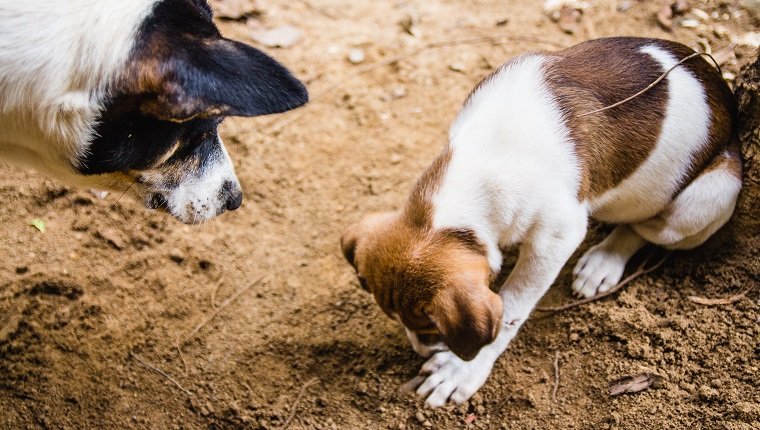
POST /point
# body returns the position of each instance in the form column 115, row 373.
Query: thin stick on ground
column 496, row 40
column 160, row 372
column 640, row 271
column 556, row 376
column 218, row 285
column 179, row 351
column 724, row 300
column 294, row 407
column 218, row 310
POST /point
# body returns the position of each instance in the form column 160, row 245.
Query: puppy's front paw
column 449, row 378
column 597, row 271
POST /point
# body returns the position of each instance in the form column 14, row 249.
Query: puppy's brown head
column 434, row 282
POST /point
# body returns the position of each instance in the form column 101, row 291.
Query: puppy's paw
column 597, row 271
column 449, row 378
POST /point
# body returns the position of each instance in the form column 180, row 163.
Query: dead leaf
column 234, row 10
column 680, row 7
column 412, row 384
column 569, row 19
column 38, row 224
column 409, row 25
column 633, row 384
column 283, row 36
column 113, row 237
column 665, row 17
column 725, row 55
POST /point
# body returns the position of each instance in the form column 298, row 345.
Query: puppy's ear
column 468, row 316
column 181, row 78
column 366, row 226
column 348, row 244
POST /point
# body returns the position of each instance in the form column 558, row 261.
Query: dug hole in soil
column 111, row 295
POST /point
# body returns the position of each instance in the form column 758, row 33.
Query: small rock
column 395, row 158
column 113, row 237
column 574, row 337
column 690, row 23
column 398, row 92
column 419, row 416
column 427, row 424
column 20, row 270
column 356, row 56
column 283, row 36
column 625, row 5
column 457, row 67
column 176, row 256
column 234, row 9
column 100, row 195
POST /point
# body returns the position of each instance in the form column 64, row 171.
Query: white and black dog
column 115, row 94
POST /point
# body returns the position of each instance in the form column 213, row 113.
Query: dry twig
column 294, row 408
column 160, row 372
column 556, row 377
column 653, row 84
column 496, row 40
column 639, row 272
column 724, row 300
column 219, row 310
column 179, row 351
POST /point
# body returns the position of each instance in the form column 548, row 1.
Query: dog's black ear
column 212, row 77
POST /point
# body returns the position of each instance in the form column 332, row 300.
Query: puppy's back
column 679, row 125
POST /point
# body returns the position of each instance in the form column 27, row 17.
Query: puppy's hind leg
column 698, row 211
column 602, row 266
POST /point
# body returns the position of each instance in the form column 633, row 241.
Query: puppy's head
column 157, row 133
column 436, row 283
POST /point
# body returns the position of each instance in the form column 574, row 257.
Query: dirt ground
column 111, row 289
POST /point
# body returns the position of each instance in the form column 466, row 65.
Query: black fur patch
column 182, row 78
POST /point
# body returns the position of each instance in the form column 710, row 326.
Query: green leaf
column 38, row 224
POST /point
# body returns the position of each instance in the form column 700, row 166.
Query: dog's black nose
column 233, row 195
column 157, row 201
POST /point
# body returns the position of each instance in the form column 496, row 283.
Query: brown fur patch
column 610, row 144
column 437, row 282
column 419, row 208
column 613, row 143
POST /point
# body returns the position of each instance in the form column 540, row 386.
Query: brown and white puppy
column 525, row 167
column 118, row 95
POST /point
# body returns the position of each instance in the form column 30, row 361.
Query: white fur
column 513, row 178
column 56, row 59
column 197, row 198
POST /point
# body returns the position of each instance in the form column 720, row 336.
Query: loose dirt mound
column 111, row 290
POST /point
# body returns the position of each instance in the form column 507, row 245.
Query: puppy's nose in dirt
column 234, row 195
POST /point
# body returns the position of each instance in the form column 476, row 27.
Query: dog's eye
column 363, row 282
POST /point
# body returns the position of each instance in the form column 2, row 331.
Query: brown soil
column 109, row 282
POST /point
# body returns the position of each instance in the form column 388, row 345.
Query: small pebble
column 457, row 67
column 356, row 56
column 420, row 417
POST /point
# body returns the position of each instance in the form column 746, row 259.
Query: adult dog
column 116, row 95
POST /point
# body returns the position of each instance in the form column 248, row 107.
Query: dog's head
column 157, row 133
column 436, row 283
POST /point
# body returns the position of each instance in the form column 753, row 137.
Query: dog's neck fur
column 37, row 105
column 488, row 183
